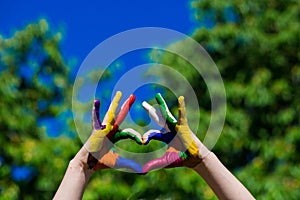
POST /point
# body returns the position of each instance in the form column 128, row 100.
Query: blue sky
column 87, row 23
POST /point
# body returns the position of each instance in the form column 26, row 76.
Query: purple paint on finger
column 97, row 108
column 102, row 127
column 97, row 123
column 97, row 103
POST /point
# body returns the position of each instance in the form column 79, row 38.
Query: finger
column 124, row 110
column 127, row 133
column 169, row 159
column 157, row 135
column 156, row 116
column 165, row 109
column 184, row 130
column 149, row 135
column 182, row 120
column 186, row 136
column 108, row 160
column 109, row 117
column 95, row 115
column 128, row 164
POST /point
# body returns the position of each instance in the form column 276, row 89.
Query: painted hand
column 105, row 134
column 184, row 148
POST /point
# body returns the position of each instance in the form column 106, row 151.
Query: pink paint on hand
column 168, row 160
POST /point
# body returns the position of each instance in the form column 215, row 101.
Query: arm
column 95, row 154
column 186, row 150
column 75, row 178
column 224, row 184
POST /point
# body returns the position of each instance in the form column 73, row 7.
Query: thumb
column 169, row 160
column 127, row 164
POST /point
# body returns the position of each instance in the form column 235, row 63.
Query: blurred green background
column 256, row 46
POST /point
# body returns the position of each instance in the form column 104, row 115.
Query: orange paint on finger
column 107, row 161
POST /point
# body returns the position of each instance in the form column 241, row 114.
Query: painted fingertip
column 131, row 99
column 151, row 111
column 97, row 102
column 181, row 99
column 158, row 95
column 102, row 126
column 146, row 169
column 119, row 94
column 138, row 140
column 117, row 97
column 159, row 98
column 146, row 105
column 145, row 141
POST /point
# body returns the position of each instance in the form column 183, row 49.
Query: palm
column 106, row 133
column 183, row 145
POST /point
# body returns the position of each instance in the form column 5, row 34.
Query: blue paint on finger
column 164, row 137
column 128, row 164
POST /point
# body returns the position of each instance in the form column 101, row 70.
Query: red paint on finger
column 122, row 114
column 124, row 111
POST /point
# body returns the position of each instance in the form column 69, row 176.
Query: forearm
column 218, row 177
column 75, row 179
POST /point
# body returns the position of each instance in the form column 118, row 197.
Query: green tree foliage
column 34, row 89
column 256, row 46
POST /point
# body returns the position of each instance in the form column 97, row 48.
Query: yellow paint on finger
column 182, row 120
column 110, row 120
column 187, row 140
column 95, row 142
column 183, row 129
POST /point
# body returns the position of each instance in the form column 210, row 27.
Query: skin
column 183, row 144
column 186, row 150
column 96, row 153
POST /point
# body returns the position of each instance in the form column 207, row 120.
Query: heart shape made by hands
column 183, row 145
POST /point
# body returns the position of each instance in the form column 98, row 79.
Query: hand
column 105, row 134
column 184, row 148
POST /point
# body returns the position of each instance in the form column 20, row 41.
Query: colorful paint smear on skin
column 173, row 156
column 182, row 128
column 95, row 142
column 110, row 129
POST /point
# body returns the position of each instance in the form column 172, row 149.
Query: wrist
column 204, row 161
column 80, row 168
column 80, row 161
column 75, row 180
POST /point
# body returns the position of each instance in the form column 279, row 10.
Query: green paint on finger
column 183, row 155
column 165, row 110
